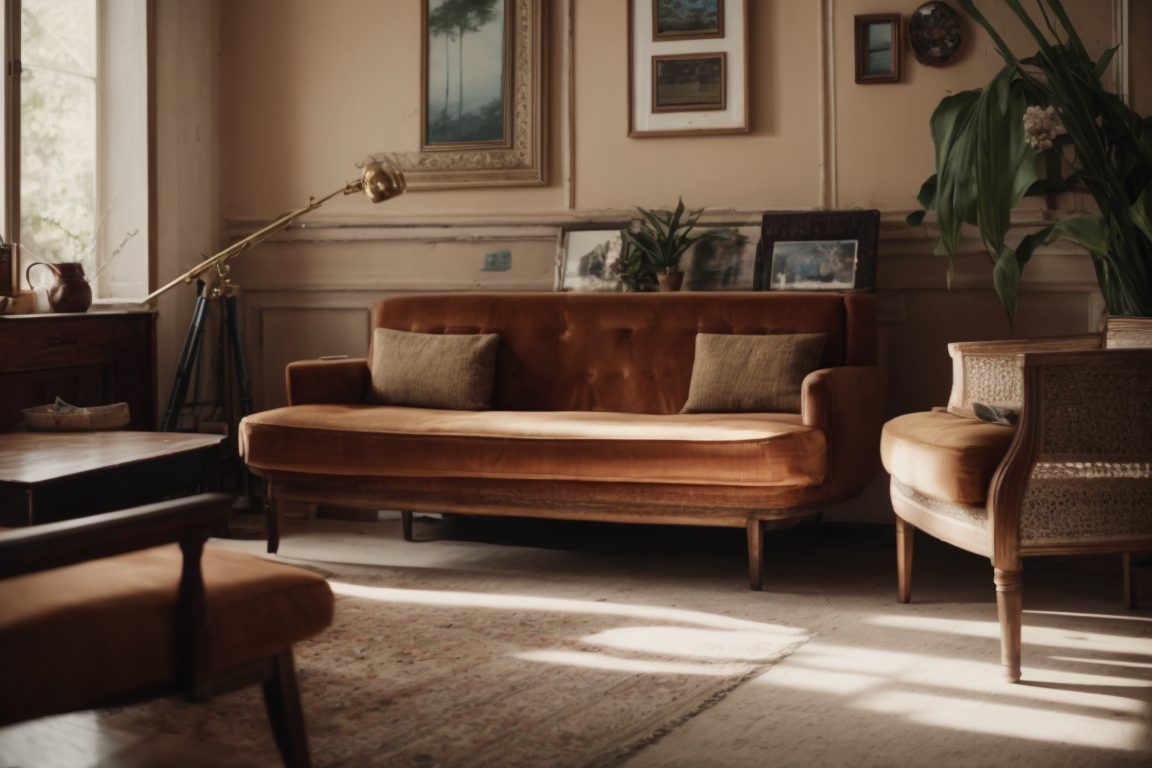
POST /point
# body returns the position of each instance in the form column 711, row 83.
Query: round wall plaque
column 934, row 32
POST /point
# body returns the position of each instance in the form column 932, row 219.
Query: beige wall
column 307, row 89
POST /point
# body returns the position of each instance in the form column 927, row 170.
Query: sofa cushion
column 365, row 440
column 105, row 626
column 433, row 370
column 947, row 457
column 757, row 374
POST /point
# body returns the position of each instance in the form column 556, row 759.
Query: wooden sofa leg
column 1009, row 607
column 1129, row 591
column 285, row 715
column 406, row 522
column 272, row 518
column 905, row 538
column 756, row 554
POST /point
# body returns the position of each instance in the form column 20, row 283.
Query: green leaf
column 1141, row 212
column 1006, row 279
column 915, row 218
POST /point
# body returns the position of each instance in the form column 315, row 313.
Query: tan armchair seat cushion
column 73, row 635
column 389, row 441
column 947, row 457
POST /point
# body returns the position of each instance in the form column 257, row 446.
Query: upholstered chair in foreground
column 96, row 612
column 1073, row 475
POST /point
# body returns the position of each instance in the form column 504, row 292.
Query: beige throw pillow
column 433, row 370
column 751, row 374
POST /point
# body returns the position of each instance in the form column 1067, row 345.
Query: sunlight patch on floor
column 632, row 666
column 727, row 645
column 559, row 605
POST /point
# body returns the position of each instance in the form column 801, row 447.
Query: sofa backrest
column 625, row 352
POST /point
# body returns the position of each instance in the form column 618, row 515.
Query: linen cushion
column 433, row 370
column 751, row 374
column 947, row 457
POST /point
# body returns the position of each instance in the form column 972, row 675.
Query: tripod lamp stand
column 380, row 181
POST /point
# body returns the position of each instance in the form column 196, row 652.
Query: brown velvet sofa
column 585, row 419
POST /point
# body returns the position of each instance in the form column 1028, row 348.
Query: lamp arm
column 255, row 238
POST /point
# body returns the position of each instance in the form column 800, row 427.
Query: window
column 76, row 139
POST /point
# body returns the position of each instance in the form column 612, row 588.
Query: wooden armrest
column 990, row 372
column 53, row 545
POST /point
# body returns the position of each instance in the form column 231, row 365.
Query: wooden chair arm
column 53, row 545
column 991, row 371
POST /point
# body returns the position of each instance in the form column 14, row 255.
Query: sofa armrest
column 328, row 381
column 848, row 404
column 991, row 372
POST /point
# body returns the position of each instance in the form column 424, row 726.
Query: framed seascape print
column 878, row 48
column 687, row 67
column 818, row 251
column 687, row 19
column 587, row 257
column 482, row 95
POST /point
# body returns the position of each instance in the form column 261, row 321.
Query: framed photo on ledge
column 687, row 67
column 818, row 251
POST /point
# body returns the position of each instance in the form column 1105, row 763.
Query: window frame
column 10, row 211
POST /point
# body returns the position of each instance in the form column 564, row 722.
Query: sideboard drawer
column 61, row 344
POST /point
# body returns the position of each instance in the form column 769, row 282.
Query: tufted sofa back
column 624, row 352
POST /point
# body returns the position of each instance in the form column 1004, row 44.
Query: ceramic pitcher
column 71, row 293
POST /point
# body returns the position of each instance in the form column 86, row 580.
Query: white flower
column 1041, row 126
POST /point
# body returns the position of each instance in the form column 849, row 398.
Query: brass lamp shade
column 382, row 181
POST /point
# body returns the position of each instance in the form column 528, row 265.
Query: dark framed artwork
column 687, row 67
column 482, row 95
column 689, row 82
column 877, row 48
column 818, row 251
column 687, row 19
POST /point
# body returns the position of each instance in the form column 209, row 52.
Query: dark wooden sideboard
column 88, row 359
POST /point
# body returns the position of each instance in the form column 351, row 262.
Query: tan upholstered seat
column 1074, row 476
column 92, row 613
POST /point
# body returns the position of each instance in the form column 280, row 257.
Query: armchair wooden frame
column 1076, row 476
column 188, row 522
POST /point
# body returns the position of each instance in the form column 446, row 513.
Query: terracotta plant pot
column 671, row 281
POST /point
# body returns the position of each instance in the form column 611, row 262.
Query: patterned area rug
column 416, row 674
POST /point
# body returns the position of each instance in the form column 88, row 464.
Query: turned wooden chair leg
column 756, row 554
column 905, row 538
column 1129, row 589
column 285, row 715
column 272, row 518
column 406, row 522
column 1010, row 608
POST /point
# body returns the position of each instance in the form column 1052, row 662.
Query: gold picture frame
column 726, row 113
column 517, row 158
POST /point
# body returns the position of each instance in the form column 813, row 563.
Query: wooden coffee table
column 48, row 476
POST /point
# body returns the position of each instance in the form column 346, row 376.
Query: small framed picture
column 725, row 260
column 587, row 257
column 689, row 82
column 813, row 265
column 878, row 48
column 687, row 19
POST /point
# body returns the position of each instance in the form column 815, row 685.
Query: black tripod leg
column 187, row 360
column 239, row 357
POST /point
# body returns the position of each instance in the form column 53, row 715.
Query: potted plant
column 661, row 239
column 987, row 141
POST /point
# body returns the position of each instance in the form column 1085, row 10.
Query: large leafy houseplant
column 986, row 146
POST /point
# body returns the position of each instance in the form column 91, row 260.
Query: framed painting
column 687, row 67
column 818, row 251
column 587, row 257
column 724, row 261
column 687, row 19
column 877, row 48
column 482, row 95
column 688, row 82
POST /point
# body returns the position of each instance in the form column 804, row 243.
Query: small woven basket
column 50, row 417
